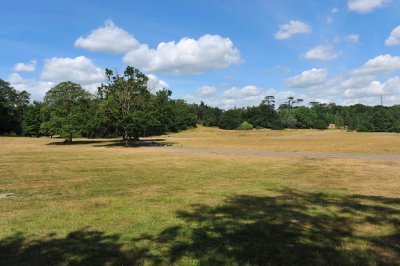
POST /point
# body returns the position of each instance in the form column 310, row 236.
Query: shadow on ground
column 291, row 228
column 118, row 143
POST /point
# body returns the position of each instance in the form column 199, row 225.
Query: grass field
column 97, row 203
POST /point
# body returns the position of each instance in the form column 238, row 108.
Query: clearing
column 98, row 203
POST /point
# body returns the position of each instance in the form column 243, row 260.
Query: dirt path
column 284, row 154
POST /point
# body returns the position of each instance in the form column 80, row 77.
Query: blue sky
column 226, row 53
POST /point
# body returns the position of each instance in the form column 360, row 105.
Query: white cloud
column 329, row 20
column 352, row 38
column 240, row 93
column 206, row 91
column 234, row 97
column 155, row 84
column 188, row 56
column 334, row 10
column 373, row 88
column 381, row 64
column 308, row 78
column 365, row 6
column 392, row 86
column 324, row 52
column 394, row 38
column 389, row 88
column 109, row 38
column 36, row 88
column 293, row 27
column 25, row 67
column 79, row 69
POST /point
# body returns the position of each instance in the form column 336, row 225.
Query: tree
column 127, row 102
column 32, row 120
column 12, row 105
column 67, row 106
column 231, row 119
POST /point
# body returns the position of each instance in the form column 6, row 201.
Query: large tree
column 128, row 103
column 12, row 105
column 66, row 106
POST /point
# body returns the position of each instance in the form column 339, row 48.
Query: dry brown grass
column 289, row 140
column 136, row 191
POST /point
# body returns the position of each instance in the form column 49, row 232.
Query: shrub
column 245, row 126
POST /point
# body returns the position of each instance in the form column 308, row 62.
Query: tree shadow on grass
column 138, row 143
column 293, row 228
column 82, row 142
column 82, row 247
column 118, row 143
column 290, row 228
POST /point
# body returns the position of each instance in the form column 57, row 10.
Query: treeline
column 357, row 117
column 125, row 107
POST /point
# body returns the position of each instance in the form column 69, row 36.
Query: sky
column 227, row 53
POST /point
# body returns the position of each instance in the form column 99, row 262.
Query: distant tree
column 269, row 100
column 304, row 116
column 12, row 106
column 231, row 119
column 66, row 108
column 183, row 117
column 32, row 120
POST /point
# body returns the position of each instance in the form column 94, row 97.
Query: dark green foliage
column 206, row 115
column 12, row 108
column 66, row 108
column 231, row 119
column 98, row 124
column 32, row 120
column 183, row 117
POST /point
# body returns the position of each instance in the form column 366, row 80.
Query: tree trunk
column 126, row 138
column 70, row 138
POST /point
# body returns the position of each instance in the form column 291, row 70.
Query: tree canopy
column 66, row 107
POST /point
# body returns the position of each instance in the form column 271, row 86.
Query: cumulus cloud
column 352, row 38
column 373, row 88
column 308, row 78
column 79, row 69
column 249, row 95
column 324, row 52
column 36, row 88
column 239, row 93
column 381, row 64
column 394, row 38
column 206, row 91
column 109, row 38
column 25, row 67
column 286, row 31
column 155, row 84
column 390, row 87
column 187, row 56
column 365, row 6
column 334, row 10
